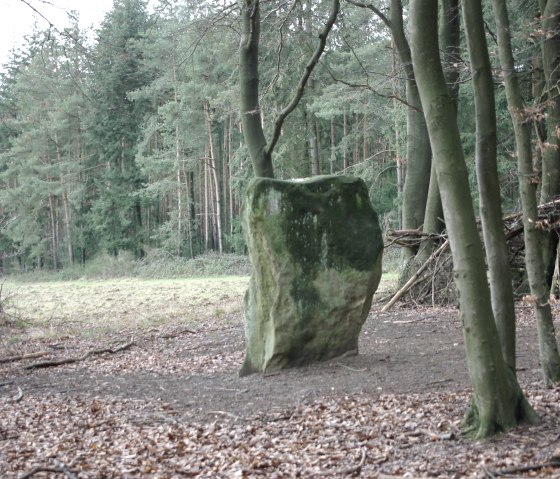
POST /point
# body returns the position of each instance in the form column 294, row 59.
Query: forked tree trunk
column 249, row 86
column 497, row 256
column 498, row 402
column 528, row 181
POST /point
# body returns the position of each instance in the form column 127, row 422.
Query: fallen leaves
column 394, row 435
column 172, row 406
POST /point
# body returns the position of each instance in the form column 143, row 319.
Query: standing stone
column 316, row 248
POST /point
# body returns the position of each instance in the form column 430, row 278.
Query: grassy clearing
column 46, row 309
column 54, row 309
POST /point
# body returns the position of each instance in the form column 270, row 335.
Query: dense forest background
column 131, row 143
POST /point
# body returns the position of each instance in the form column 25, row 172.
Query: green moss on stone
column 315, row 246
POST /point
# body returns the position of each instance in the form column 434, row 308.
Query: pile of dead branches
column 432, row 282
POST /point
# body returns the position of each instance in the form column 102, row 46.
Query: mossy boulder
column 316, row 248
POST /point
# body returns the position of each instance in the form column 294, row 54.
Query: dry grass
column 89, row 307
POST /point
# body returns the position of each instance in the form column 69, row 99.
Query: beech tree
column 497, row 257
column 528, row 181
column 498, row 402
column 260, row 149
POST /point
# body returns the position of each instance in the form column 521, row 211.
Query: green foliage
column 104, row 146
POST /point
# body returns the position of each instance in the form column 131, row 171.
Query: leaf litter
column 172, row 406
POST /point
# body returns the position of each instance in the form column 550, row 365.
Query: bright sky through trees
column 18, row 18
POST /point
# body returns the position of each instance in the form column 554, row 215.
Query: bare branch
column 374, row 9
column 304, row 79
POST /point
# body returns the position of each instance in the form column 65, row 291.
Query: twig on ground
column 6, row 383
column 224, row 413
column 515, row 470
column 60, row 468
column 38, row 469
column 21, row 357
column 64, row 468
column 59, row 362
column 19, row 396
column 351, row 369
column 179, row 333
column 345, row 470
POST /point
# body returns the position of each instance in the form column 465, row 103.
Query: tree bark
column 551, row 67
column 249, row 86
column 498, row 402
column 491, row 216
column 418, row 152
column 259, row 150
column 528, row 180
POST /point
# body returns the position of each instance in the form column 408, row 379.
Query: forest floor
column 165, row 401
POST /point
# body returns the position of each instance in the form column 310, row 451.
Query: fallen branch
column 60, row 469
column 59, row 362
column 415, row 277
column 179, row 333
column 345, row 470
column 19, row 397
column 11, row 359
column 352, row 369
column 521, row 469
column 38, row 469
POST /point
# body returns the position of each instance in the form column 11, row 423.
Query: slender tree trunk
column 497, row 256
column 54, row 241
column 206, row 205
column 528, row 180
column 67, row 222
column 498, row 402
column 190, row 208
column 178, row 160
column 433, row 218
column 550, row 136
column 314, row 149
column 450, row 40
column 345, row 133
column 333, row 147
column 551, row 67
column 214, row 175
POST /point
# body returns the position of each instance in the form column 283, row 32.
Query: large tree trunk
column 418, row 152
column 488, row 184
column 528, row 180
column 498, row 402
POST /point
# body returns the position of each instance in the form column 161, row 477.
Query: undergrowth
column 154, row 266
